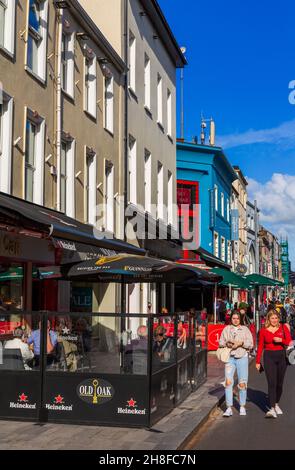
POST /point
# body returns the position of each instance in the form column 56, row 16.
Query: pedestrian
column 273, row 339
column 238, row 338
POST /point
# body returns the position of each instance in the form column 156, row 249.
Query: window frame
column 90, row 88
column 109, row 104
column 147, row 81
column 159, row 99
column 39, row 41
column 132, row 61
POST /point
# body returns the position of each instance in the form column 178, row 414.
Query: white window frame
column 69, row 208
column 222, row 204
column 169, row 113
column 40, row 40
column 147, row 181
column 109, row 197
column 68, row 63
column 39, row 152
column 90, row 187
column 227, row 210
column 216, row 244
column 132, row 61
column 160, row 191
column 216, row 197
column 170, row 199
column 159, row 99
column 132, row 169
column 90, row 92
column 229, row 252
column 8, row 42
column 6, row 131
column 147, row 82
column 223, row 250
column 109, row 103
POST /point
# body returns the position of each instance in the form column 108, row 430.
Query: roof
column 161, row 25
column 238, row 170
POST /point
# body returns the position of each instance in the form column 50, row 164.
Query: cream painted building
column 152, row 55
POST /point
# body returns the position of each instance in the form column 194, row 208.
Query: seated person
column 19, row 342
column 137, row 348
column 162, row 347
column 35, row 340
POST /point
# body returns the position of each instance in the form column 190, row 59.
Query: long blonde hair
column 270, row 314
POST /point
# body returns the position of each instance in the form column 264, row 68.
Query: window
column 67, row 63
column 7, row 25
column 132, row 171
column 227, row 210
column 222, row 204
column 34, row 158
column 132, row 61
column 109, row 196
column 109, row 103
column 228, row 252
column 169, row 113
column 216, row 197
column 216, row 244
column 6, row 114
column 159, row 100
column 222, row 249
column 160, row 191
column 37, row 37
column 90, row 86
column 147, row 81
column 147, row 180
column 170, row 198
column 90, row 187
column 67, row 178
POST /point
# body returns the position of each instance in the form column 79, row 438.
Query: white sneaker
column 278, row 410
column 271, row 414
column 243, row 411
column 228, row 412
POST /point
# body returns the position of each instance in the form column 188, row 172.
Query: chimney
column 203, row 127
column 212, row 132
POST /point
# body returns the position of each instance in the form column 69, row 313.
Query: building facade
column 62, row 119
column 145, row 42
column 252, row 253
column 269, row 254
column 239, row 204
column 205, row 178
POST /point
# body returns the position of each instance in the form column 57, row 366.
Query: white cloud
column 276, row 201
column 284, row 134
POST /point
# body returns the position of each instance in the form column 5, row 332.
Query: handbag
column 223, row 354
column 289, row 351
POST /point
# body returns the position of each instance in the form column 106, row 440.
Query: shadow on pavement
column 258, row 398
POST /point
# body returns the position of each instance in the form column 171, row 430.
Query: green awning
column 231, row 279
column 259, row 280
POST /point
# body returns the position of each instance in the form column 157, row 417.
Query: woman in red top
column 273, row 339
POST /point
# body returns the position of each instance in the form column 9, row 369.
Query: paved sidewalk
column 168, row 434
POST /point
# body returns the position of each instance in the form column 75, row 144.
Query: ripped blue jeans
column 242, row 367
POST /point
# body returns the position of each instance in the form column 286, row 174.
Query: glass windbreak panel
column 183, row 335
column 135, row 345
column 200, row 334
column 17, row 350
column 11, row 286
column 84, row 344
column 164, row 342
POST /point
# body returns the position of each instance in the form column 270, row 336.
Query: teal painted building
column 204, row 172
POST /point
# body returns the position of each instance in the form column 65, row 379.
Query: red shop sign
column 214, row 333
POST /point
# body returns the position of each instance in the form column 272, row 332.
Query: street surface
column 254, row 431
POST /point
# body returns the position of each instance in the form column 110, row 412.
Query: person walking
column 238, row 338
column 273, row 339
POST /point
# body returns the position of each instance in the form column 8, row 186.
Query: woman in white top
column 239, row 338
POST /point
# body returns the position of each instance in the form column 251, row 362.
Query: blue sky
column 241, row 59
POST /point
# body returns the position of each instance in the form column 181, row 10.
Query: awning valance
column 129, row 269
column 58, row 225
column 259, row 280
column 231, row 279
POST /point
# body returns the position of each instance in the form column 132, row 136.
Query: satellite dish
column 183, row 50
